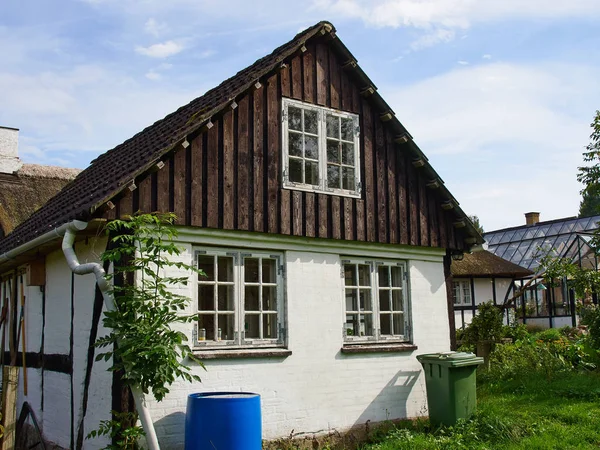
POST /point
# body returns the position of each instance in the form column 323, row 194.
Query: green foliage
column 485, row 326
column 590, row 316
column 476, row 223
column 584, row 281
column 516, row 331
column 147, row 347
column 589, row 174
column 123, row 427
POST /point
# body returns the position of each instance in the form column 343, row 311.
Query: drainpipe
column 70, row 232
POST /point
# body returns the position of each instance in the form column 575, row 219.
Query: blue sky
column 499, row 94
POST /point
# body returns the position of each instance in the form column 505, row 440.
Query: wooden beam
column 386, row 116
column 419, row 162
column 401, row 139
column 448, row 205
column 459, row 223
column 367, row 91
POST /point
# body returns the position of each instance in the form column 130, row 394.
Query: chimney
column 9, row 150
column 531, row 218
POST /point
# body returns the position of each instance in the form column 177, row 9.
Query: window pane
column 225, row 268
column 385, row 322
column 251, row 298
column 206, row 327
column 251, row 326
column 310, row 122
column 226, row 327
column 311, row 147
column 225, row 299
column 364, row 275
column 365, row 300
column 333, row 176
column 296, row 171
column 347, row 178
column 270, row 326
column 295, row 144
column 366, row 326
column 398, row 320
column 294, row 118
column 206, row 297
column 333, row 151
column 352, row 327
column 397, row 276
column 349, row 275
column 269, row 298
column 251, row 270
column 348, row 154
column 384, row 278
column 384, row 300
column 269, row 271
column 312, row 173
column 351, row 300
column 397, row 300
column 347, row 129
column 207, row 265
column 333, row 124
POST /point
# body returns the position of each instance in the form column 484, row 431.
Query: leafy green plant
column 485, row 326
column 516, row 331
column 122, row 428
column 590, row 316
column 147, row 346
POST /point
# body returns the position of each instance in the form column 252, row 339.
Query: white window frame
column 240, row 340
column 462, row 286
column 374, row 289
column 322, row 144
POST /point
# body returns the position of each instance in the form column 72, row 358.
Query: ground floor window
column 239, row 299
column 462, row 292
column 376, row 301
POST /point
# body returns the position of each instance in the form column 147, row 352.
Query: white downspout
column 82, row 269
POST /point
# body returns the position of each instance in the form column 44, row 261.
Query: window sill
column 243, row 353
column 378, row 348
column 334, row 192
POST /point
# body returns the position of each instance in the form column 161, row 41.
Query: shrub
column 590, row 316
column 549, row 335
column 534, row 328
column 516, row 331
column 485, row 326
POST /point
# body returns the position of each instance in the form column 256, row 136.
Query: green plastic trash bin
column 450, row 379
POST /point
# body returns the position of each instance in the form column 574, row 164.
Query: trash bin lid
column 454, row 359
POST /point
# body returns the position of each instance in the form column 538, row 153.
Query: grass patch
column 536, row 413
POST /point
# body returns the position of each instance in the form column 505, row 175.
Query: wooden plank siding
column 230, row 177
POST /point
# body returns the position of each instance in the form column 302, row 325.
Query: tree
column 589, row 174
column 476, row 223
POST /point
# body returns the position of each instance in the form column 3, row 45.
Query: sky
column 499, row 94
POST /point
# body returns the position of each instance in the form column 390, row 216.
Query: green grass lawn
column 536, row 414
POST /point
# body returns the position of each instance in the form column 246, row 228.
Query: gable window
column 321, row 149
column 462, row 292
column 376, row 301
column 240, row 299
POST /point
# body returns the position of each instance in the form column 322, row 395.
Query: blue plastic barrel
column 223, row 421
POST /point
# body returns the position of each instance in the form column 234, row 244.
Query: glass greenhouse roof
column 525, row 245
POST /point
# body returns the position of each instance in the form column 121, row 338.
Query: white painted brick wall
column 317, row 388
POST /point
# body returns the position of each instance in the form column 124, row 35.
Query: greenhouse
column 535, row 299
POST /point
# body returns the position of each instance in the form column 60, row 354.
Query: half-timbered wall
column 230, row 176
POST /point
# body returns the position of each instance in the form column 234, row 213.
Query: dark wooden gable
column 230, row 176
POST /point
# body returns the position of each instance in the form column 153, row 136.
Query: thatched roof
column 484, row 263
column 25, row 191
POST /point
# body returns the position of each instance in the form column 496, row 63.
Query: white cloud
column 152, row 75
column 85, row 109
column 154, row 28
column 487, row 56
column 430, row 39
column 453, row 14
column 463, row 62
column 161, row 50
column 506, row 138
